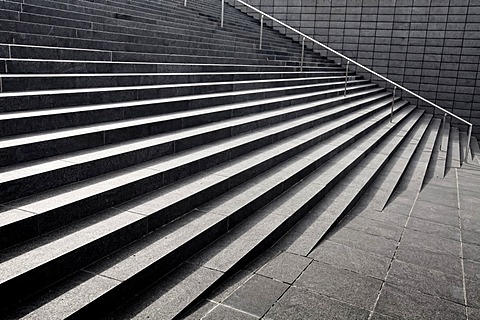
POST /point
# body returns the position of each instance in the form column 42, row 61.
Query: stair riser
column 67, row 67
column 11, row 84
column 124, row 51
column 38, row 150
column 112, row 198
column 42, row 100
column 36, row 24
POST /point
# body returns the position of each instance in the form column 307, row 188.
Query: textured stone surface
column 285, row 267
column 340, row 284
column 345, row 257
column 299, row 304
column 431, row 242
column 442, row 230
column 430, row 259
column 256, row 295
column 411, row 277
column 401, row 302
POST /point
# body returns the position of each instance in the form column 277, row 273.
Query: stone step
column 158, row 22
column 306, row 235
column 441, row 163
column 28, row 178
column 153, row 255
column 394, row 171
column 465, row 153
column 235, row 249
column 34, row 46
column 42, row 214
column 196, row 189
column 53, row 66
column 49, row 99
column 31, row 82
column 33, row 146
column 475, row 150
column 22, row 122
column 454, row 158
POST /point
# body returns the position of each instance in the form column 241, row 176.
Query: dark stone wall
column 431, row 47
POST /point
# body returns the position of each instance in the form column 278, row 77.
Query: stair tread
column 51, row 199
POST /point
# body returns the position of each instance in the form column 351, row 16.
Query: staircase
column 147, row 154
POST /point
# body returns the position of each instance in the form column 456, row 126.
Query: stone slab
column 415, row 278
column 344, row 285
column 352, row 259
column 257, row 295
column 285, row 267
column 401, row 302
column 471, row 251
column 299, row 304
column 431, row 242
column 434, row 228
column 430, row 259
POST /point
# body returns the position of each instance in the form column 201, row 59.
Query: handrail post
column 261, row 32
column 443, row 130
column 223, row 13
column 393, row 102
column 346, row 79
column 468, row 143
column 303, row 53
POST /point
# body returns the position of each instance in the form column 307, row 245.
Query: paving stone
column 285, row 267
column 227, row 287
column 200, row 310
column 436, row 213
column 473, row 313
column 341, row 284
column 436, row 283
column 473, row 293
column 470, row 223
column 471, row 237
column 431, row 242
column 472, row 269
column 363, row 241
column 352, row 259
column 429, row 227
column 471, row 251
column 391, row 218
column 263, row 259
column 226, row 313
column 256, row 295
column 301, row 304
column 401, row 302
column 375, row 228
column 429, row 259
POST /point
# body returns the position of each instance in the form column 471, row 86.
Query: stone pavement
column 417, row 259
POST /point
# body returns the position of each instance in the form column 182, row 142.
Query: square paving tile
column 344, row 285
column 301, row 304
column 471, row 251
column 473, row 313
column 372, row 227
column 430, row 259
column 401, row 302
column 471, row 237
column 436, row 213
column 256, row 295
column 285, row 267
column 363, row 241
column 348, row 258
column 430, row 242
column 435, row 228
column 436, row 283
column 472, row 269
column 473, row 293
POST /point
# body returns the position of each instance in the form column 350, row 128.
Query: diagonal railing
column 349, row 60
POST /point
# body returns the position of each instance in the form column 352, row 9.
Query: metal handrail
column 396, row 85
